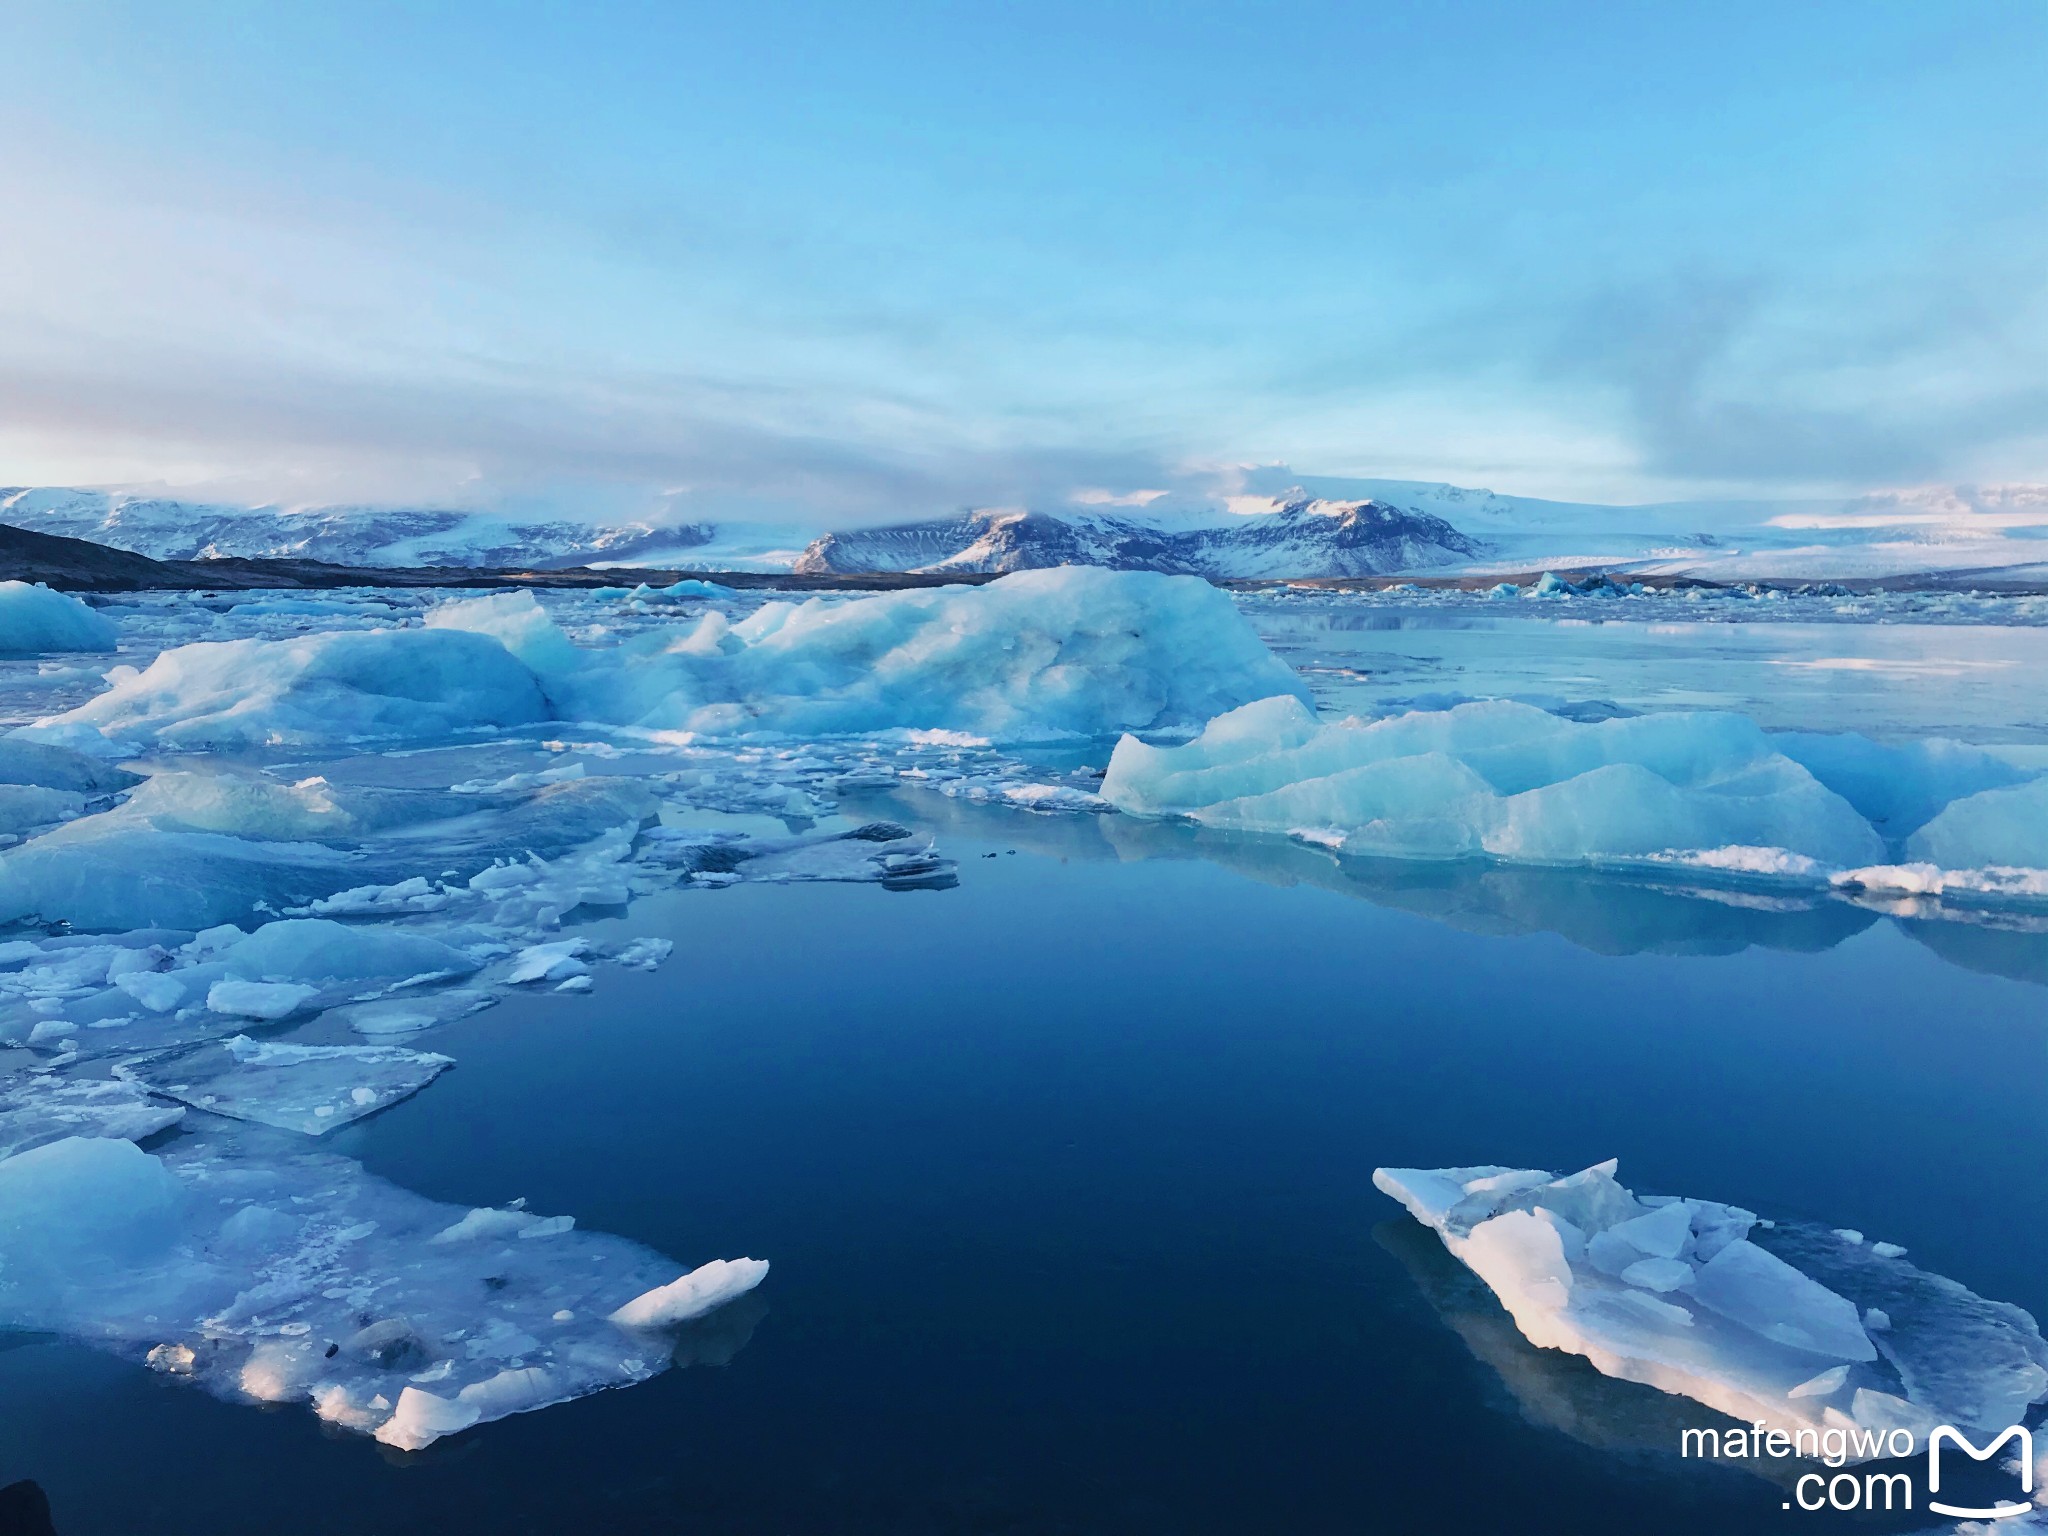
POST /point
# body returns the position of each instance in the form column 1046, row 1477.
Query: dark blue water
column 1066, row 1178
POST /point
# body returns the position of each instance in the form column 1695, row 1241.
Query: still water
column 1066, row 1178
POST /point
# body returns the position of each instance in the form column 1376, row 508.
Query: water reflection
column 1607, row 914
column 1557, row 1391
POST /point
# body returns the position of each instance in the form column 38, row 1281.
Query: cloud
column 1742, row 381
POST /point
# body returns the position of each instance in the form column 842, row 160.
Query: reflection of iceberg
column 261, row 1270
column 1554, row 1390
column 1812, row 1333
column 1604, row 912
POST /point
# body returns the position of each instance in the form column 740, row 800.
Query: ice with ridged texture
column 1764, row 1322
column 1500, row 780
column 1038, row 655
column 33, row 618
column 262, row 1271
column 2003, row 828
column 312, row 1089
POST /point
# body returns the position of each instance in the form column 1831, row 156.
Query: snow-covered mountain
column 2001, row 528
column 182, row 530
column 1301, row 537
column 1263, row 521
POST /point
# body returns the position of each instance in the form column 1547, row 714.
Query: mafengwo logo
column 1847, row 1491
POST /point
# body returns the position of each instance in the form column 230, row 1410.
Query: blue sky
column 873, row 260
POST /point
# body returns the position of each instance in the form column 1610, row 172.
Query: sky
column 856, row 261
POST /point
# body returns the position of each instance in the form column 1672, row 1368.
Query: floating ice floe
column 1805, row 1330
column 308, row 1088
column 270, row 1274
column 39, row 1107
column 33, row 618
column 1713, row 793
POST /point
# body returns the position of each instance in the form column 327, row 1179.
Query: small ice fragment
column 548, row 1226
column 171, row 1359
column 1660, row 1235
column 484, row 1222
column 1829, row 1380
column 259, row 999
column 703, row 1289
column 1877, row 1320
column 565, row 1316
column 422, row 1418
column 556, row 961
column 1849, row 1234
column 155, row 990
column 575, row 984
column 1658, row 1274
column 1887, row 1250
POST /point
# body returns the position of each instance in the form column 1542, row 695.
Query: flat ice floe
column 1709, row 792
column 1802, row 1329
column 263, row 1272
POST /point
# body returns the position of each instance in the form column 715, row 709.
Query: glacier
column 1801, row 1329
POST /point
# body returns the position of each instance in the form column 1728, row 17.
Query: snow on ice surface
column 33, row 618
column 1760, row 1321
column 264, row 1272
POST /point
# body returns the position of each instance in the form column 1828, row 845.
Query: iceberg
column 1037, row 655
column 33, row 618
column 1499, row 780
column 361, row 685
column 1767, row 1323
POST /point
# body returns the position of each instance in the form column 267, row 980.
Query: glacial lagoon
column 1062, row 1151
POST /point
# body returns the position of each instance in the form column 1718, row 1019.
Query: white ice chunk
column 1659, row 1274
column 704, row 1288
column 259, row 999
column 420, row 1418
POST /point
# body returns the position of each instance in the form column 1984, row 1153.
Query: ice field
column 356, row 938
